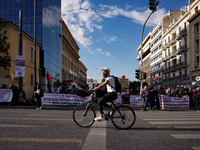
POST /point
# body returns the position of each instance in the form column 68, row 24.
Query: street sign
column 20, row 66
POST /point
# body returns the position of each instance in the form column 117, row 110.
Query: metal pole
column 35, row 64
column 20, row 53
column 141, row 71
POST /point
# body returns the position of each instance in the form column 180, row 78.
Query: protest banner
column 174, row 103
column 6, row 95
column 72, row 100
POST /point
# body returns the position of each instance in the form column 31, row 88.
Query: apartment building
column 176, row 50
column 194, row 34
column 82, row 74
column 8, row 77
column 72, row 68
column 156, row 55
column 145, row 57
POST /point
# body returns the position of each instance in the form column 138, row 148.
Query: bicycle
column 122, row 116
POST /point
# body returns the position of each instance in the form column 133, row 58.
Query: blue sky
column 108, row 32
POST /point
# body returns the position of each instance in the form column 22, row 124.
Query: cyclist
column 109, row 96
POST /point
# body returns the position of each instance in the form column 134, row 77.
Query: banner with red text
column 174, row 103
column 71, row 99
column 6, row 95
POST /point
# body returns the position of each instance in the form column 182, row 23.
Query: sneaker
column 100, row 118
column 38, row 108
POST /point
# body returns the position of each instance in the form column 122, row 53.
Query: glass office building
column 48, row 27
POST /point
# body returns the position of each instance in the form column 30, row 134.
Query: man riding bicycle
column 111, row 94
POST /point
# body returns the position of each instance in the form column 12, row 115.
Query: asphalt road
column 28, row 129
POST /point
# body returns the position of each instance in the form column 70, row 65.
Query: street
column 24, row 129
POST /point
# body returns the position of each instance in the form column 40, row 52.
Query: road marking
column 186, row 136
column 172, row 119
column 96, row 138
column 20, row 126
column 196, row 148
column 46, row 119
column 197, row 122
column 41, row 140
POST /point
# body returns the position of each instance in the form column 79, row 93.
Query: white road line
column 20, row 126
column 186, row 136
column 197, row 122
column 96, row 138
column 196, row 148
column 152, row 119
column 46, row 119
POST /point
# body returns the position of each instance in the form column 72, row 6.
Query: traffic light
column 144, row 75
column 137, row 74
column 153, row 5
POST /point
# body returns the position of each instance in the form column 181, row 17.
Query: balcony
column 197, row 50
column 186, row 77
column 173, row 55
column 182, row 65
column 183, row 32
column 178, row 36
column 172, row 41
column 157, row 70
column 196, row 65
column 182, row 49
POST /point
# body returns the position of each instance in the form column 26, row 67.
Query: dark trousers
column 109, row 97
column 196, row 104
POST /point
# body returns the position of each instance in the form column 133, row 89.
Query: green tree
column 4, row 46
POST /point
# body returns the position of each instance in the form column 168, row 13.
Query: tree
column 4, row 46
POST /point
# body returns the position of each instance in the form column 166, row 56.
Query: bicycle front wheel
column 84, row 115
column 123, row 117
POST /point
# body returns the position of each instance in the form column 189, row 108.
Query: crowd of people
column 150, row 96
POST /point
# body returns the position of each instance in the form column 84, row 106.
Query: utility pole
column 153, row 7
column 35, row 64
column 20, row 53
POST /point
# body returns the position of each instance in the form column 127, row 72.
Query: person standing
column 37, row 95
column 185, row 90
column 147, row 98
column 197, row 98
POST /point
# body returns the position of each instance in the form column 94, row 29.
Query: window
column 197, row 45
column 197, row 60
column 185, row 58
column 196, row 28
column 196, row 9
column 32, row 79
column 185, row 72
column 32, row 53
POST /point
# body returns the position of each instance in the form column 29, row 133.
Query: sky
column 108, row 32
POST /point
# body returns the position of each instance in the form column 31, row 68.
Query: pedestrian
column 185, row 91
column 147, row 98
column 37, row 95
column 177, row 93
column 15, row 97
column 191, row 98
column 197, row 98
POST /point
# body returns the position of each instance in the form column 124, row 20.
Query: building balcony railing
column 197, row 50
column 183, row 32
column 178, row 36
column 173, row 55
column 182, row 65
column 172, row 41
column 182, row 49
column 156, row 70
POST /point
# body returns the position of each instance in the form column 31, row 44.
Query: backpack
column 118, row 86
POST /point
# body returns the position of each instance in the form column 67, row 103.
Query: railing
column 184, row 32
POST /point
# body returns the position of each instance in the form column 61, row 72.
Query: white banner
column 6, row 95
column 174, row 103
column 20, row 66
column 70, row 99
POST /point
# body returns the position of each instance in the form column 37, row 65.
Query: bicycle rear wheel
column 84, row 115
column 123, row 117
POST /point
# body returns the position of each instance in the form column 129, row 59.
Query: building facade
column 194, row 26
column 72, row 68
column 156, row 55
column 176, row 50
column 7, row 77
column 145, row 58
column 48, row 28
